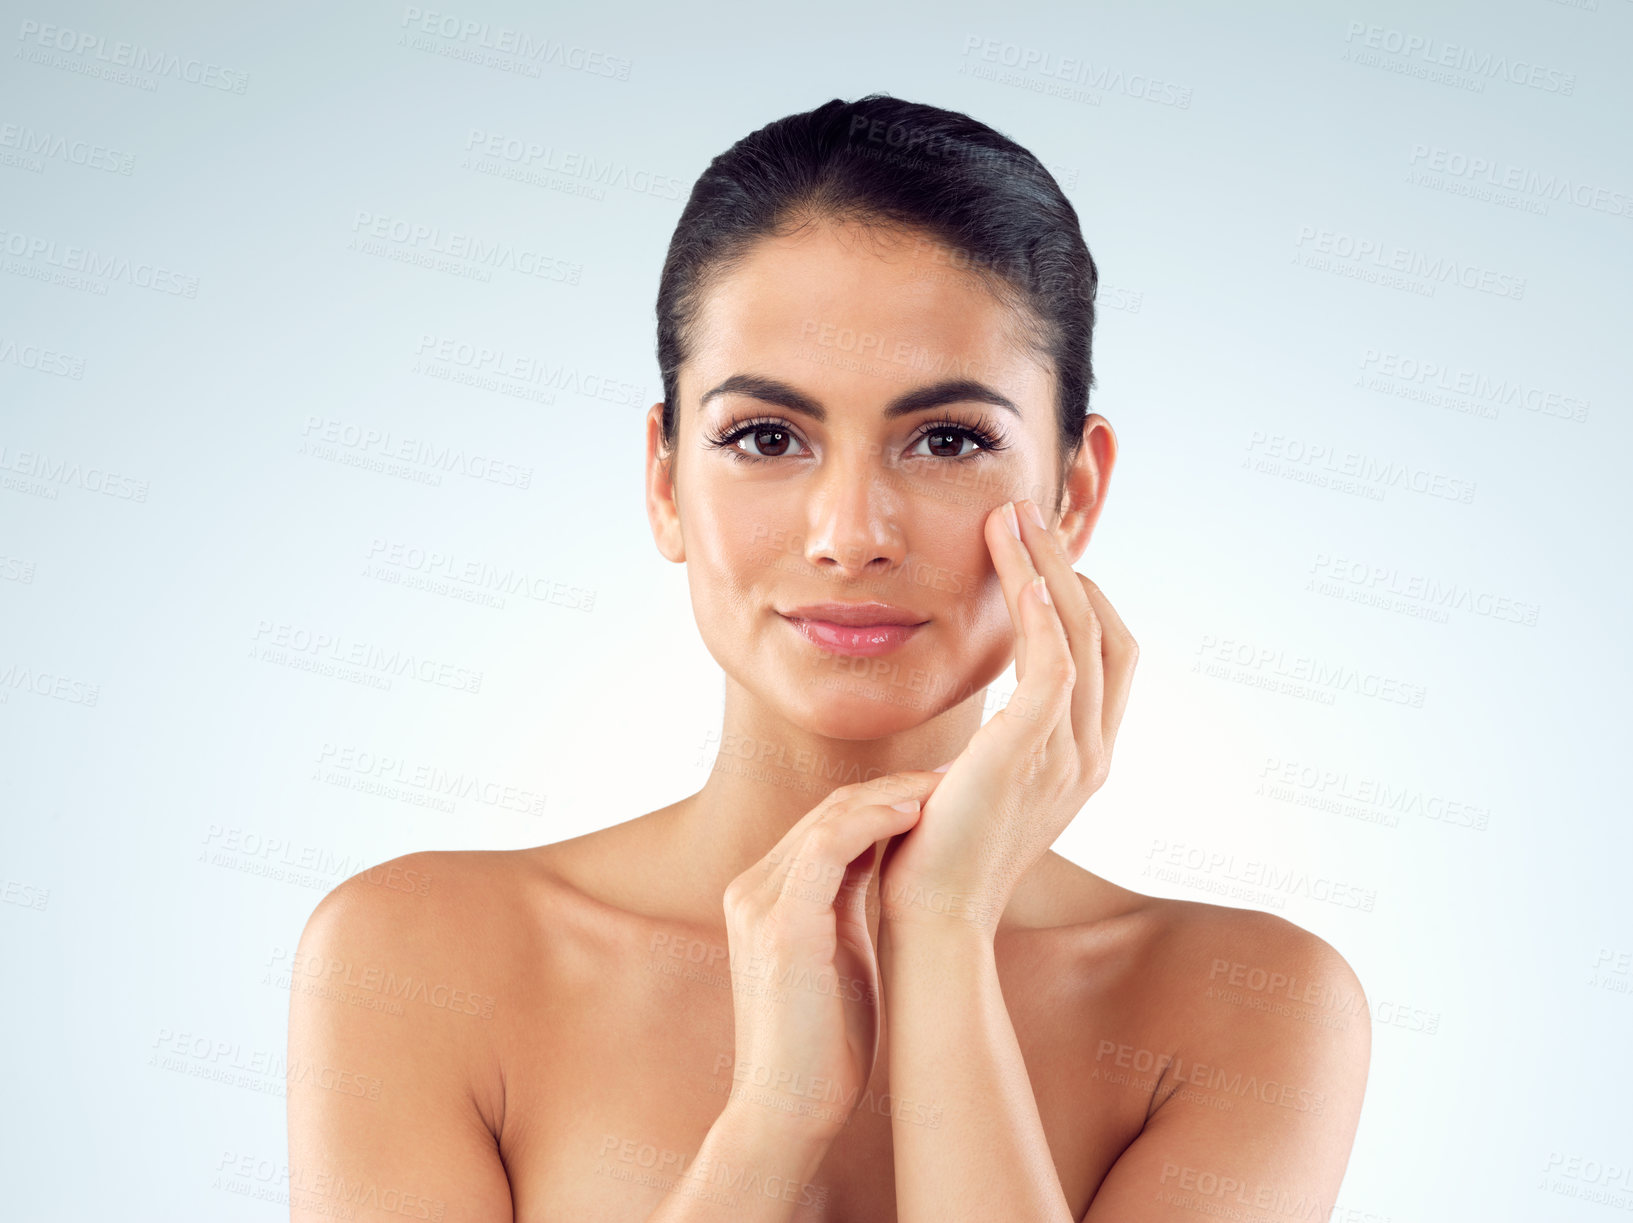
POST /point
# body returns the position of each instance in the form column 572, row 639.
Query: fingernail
column 909, row 805
column 1033, row 510
column 1009, row 517
column 942, row 768
column 1042, row 588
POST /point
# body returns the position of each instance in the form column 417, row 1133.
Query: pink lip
column 862, row 642
column 861, row 630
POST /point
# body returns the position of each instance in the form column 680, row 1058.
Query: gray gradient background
column 162, row 847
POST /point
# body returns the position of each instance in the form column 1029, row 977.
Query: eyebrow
column 774, row 391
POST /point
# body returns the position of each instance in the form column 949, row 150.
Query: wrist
column 750, row 1135
column 913, row 908
column 936, row 945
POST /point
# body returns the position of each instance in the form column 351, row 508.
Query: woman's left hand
column 1030, row 768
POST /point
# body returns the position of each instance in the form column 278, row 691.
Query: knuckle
column 821, row 841
column 740, row 912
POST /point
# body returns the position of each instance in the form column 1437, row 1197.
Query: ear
column 1087, row 479
column 661, row 510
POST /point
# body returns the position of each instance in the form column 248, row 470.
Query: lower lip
column 858, row 641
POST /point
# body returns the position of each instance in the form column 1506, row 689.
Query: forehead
column 862, row 312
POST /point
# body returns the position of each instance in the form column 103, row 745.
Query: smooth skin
column 834, row 983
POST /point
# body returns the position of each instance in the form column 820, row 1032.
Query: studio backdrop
column 326, row 340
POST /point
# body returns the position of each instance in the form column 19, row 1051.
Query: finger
column 1121, row 652
column 1015, row 569
column 851, row 927
column 886, row 789
column 820, row 864
column 1084, row 633
column 1037, row 712
column 812, row 856
column 851, row 903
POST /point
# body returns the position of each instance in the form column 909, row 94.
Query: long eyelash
column 974, row 429
column 727, row 439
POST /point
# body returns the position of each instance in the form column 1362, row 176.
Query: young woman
column 840, row 982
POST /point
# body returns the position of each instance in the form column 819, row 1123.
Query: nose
column 853, row 526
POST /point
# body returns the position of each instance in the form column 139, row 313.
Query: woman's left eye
column 945, row 442
column 768, row 441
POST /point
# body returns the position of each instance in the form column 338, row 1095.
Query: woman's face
column 842, row 436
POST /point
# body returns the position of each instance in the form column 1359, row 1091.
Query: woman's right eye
column 766, row 441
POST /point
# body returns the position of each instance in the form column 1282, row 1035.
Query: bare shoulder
column 399, row 998
column 1172, row 984
column 1243, row 947
column 428, row 903
column 1258, row 996
column 480, row 916
column 416, row 947
column 1245, row 1041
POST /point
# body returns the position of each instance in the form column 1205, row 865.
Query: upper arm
column 1257, row 1116
column 384, row 1121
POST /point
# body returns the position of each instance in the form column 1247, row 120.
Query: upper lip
column 855, row 615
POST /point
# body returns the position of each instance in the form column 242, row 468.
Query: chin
column 842, row 706
column 850, row 713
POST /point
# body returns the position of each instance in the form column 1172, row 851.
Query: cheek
column 736, row 555
column 988, row 626
column 972, row 595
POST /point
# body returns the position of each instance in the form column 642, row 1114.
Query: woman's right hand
column 805, row 976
